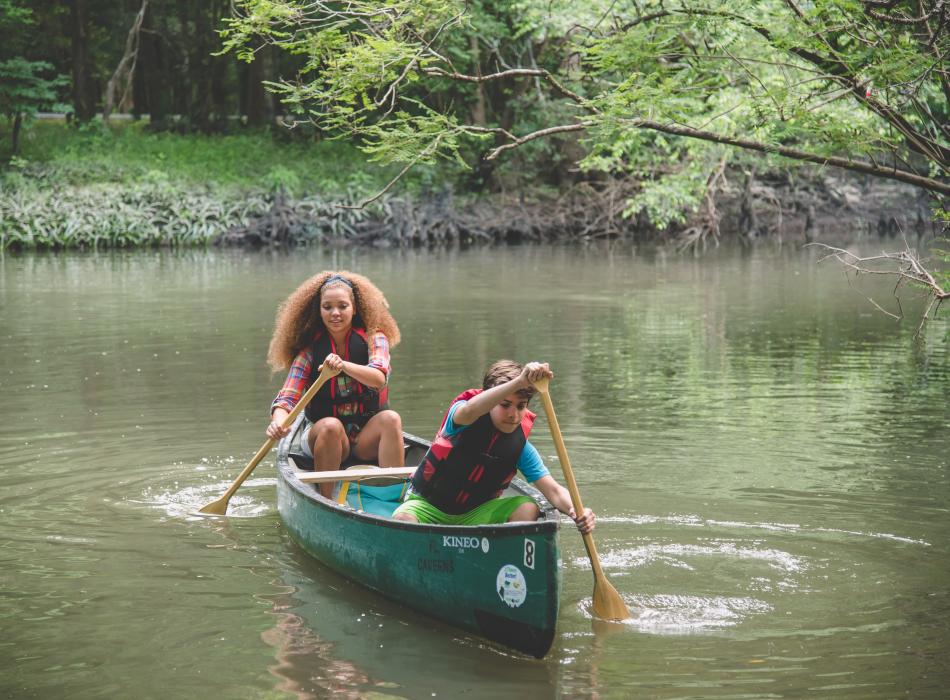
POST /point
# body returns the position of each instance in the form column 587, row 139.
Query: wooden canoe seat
column 365, row 475
column 359, row 472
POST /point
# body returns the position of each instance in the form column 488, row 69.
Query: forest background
column 434, row 121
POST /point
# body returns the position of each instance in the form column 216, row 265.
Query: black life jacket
column 342, row 396
column 462, row 471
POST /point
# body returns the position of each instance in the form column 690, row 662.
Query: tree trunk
column 151, row 77
column 748, row 221
column 478, row 111
column 184, row 92
column 15, row 134
column 220, row 92
column 119, row 88
column 259, row 108
column 84, row 100
column 201, row 73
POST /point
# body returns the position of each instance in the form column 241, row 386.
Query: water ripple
column 185, row 502
column 700, row 522
column 667, row 613
column 676, row 554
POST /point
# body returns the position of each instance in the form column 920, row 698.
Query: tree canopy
column 669, row 91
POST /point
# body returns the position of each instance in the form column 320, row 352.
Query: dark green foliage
column 99, row 187
column 661, row 91
column 26, row 86
column 25, row 90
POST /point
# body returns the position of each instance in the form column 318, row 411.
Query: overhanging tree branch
column 510, row 73
column 540, row 133
column 834, row 67
column 857, row 166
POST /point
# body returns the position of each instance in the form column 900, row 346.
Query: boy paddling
column 483, row 441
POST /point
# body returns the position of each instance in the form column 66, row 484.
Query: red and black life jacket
column 462, row 471
column 342, row 390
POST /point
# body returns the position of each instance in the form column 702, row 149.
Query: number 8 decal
column 529, row 553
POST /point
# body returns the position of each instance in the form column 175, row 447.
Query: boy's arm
column 479, row 405
column 560, row 498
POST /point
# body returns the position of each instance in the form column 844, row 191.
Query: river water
column 768, row 456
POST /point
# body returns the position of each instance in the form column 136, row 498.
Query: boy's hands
column 533, row 371
column 585, row 523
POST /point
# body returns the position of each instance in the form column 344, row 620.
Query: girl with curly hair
column 341, row 320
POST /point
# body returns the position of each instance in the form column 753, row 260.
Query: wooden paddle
column 220, row 506
column 608, row 604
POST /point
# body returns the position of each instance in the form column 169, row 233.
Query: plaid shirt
column 298, row 377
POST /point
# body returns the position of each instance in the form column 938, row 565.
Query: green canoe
column 501, row 582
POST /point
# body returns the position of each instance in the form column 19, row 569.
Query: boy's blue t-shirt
column 529, row 463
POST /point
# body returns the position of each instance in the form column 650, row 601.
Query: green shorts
column 497, row 510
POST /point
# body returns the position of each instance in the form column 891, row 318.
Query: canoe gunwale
column 548, row 524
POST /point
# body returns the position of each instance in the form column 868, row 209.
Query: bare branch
column 903, row 19
column 424, row 154
column 125, row 71
column 391, row 92
column 510, row 73
column 541, row 133
column 905, row 265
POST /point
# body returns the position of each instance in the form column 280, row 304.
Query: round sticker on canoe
column 485, row 545
column 511, row 585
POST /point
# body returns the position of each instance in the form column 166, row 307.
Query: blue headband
column 336, row 278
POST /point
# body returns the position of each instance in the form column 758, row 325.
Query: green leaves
column 24, row 86
column 407, row 79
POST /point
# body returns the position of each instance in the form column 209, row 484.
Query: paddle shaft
column 569, row 476
column 607, row 602
column 220, row 506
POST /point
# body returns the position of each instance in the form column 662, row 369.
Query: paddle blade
column 219, row 507
column 608, row 605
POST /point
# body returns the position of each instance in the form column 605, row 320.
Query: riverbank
column 107, row 187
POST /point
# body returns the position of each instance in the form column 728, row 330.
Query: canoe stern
column 501, row 582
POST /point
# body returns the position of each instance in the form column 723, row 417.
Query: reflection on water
column 768, row 457
column 305, row 666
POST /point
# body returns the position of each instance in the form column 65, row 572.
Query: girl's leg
column 330, row 446
column 381, row 440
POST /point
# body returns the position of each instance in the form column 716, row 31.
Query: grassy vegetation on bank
column 125, row 152
column 121, row 185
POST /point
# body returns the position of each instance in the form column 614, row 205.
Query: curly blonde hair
column 299, row 321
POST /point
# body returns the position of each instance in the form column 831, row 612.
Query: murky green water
column 768, row 456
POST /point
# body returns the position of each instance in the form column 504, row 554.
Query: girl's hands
column 275, row 429
column 334, row 362
column 585, row 523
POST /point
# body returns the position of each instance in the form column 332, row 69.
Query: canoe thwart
column 355, row 474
